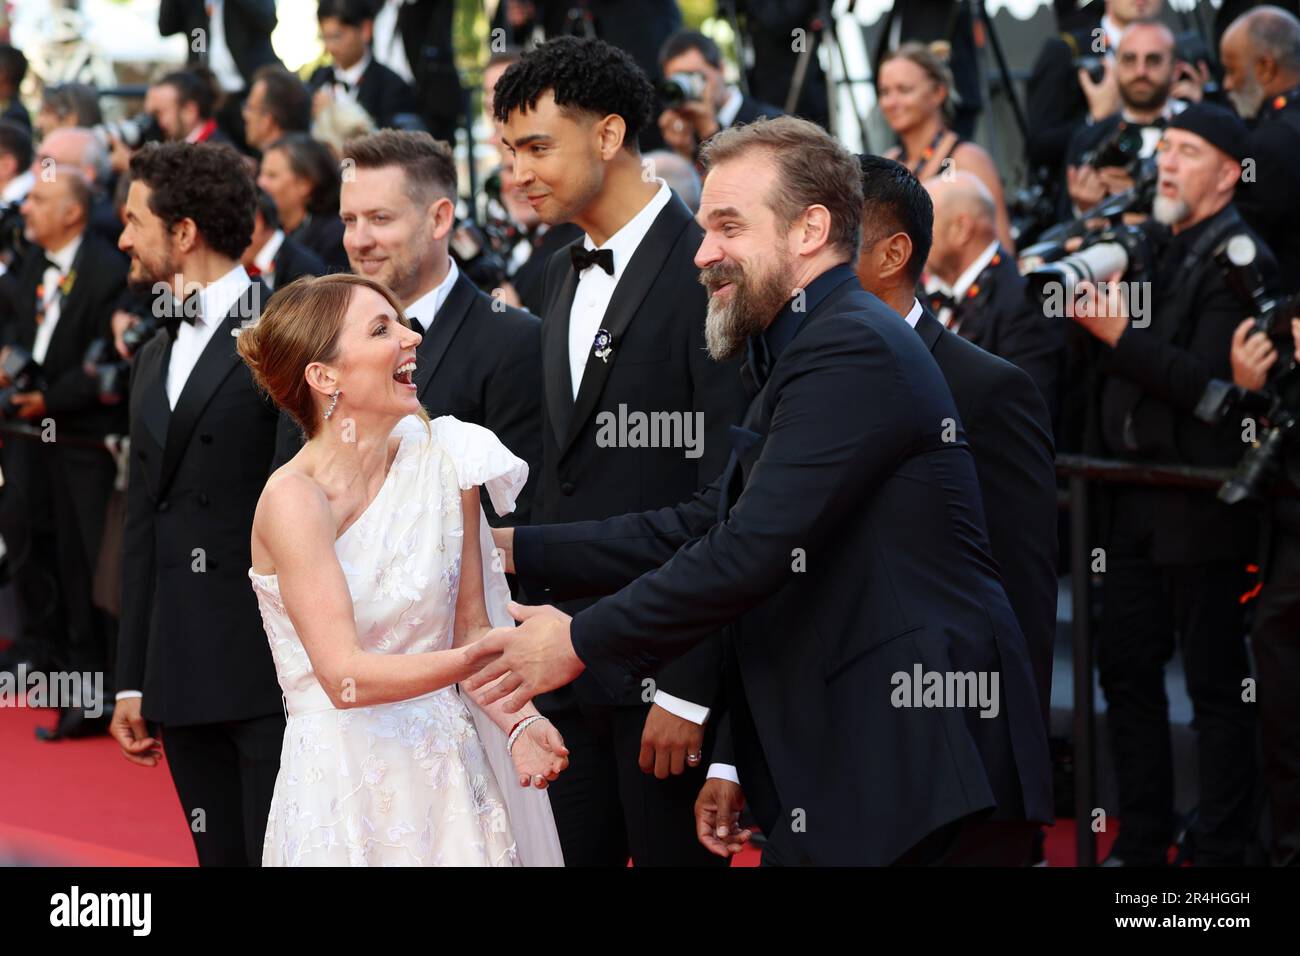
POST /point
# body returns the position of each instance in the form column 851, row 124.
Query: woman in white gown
column 374, row 571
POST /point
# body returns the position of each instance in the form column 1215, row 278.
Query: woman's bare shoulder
column 292, row 498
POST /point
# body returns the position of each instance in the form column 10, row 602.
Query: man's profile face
column 257, row 121
column 386, row 235
column 556, row 159
column 744, row 258
column 47, row 210
column 1240, row 81
column 163, row 103
column 1190, row 171
column 147, row 240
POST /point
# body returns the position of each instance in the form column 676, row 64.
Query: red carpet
column 79, row 802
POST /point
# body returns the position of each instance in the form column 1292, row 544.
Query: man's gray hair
column 1276, row 32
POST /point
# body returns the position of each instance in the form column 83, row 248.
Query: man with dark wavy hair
column 622, row 335
column 194, row 668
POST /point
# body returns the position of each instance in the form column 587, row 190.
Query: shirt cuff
column 124, row 694
column 682, row 708
column 723, row 771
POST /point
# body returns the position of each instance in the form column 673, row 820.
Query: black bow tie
column 583, row 258
column 187, row 311
column 940, row 301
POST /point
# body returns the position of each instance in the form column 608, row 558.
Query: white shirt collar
column 216, row 298
column 63, row 258
column 624, row 242
column 353, row 74
column 727, row 112
column 914, row 315
column 265, row 258
column 1113, row 33
column 17, row 188
column 967, row 278
column 424, row 310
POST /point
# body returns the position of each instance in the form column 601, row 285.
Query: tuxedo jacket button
column 163, row 506
column 566, row 488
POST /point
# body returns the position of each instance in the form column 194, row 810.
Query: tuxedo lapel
column 446, row 323
column 218, row 360
column 555, row 352
column 155, row 413
column 929, row 328
column 633, row 284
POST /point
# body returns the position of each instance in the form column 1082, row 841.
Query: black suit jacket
column 1010, row 435
column 426, row 30
column 528, row 278
column 381, row 92
column 842, row 459
column 323, row 235
column 1056, row 106
column 86, row 312
column 248, row 25
column 659, row 364
column 293, row 260
column 192, row 640
column 1002, row 319
column 480, row 362
column 751, row 109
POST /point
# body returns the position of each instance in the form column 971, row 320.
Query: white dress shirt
column 16, row 189
column 727, row 112
column 424, row 310
column 596, row 287
column 215, row 300
column 220, row 60
column 387, row 40
column 265, row 258
column 962, row 285
column 53, row 297
column 913, row 316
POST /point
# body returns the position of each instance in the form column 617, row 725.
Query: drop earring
column 334, row 400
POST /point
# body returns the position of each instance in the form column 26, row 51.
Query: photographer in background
column 1176, row 559
column 1261, row 64
column 346, row 29
column 273, row 256
column 698, row 99
column 16, row 175
column 1104, row 155
column 57, row 486
column 183, row 104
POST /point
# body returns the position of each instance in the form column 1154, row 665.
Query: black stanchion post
column 1085, row 751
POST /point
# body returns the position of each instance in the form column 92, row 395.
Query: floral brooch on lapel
column 65, row 287
column 603, row 346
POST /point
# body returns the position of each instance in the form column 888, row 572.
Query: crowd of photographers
column 1146, row 283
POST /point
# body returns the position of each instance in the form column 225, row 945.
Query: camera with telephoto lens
column 25, row 375
column 131, row 133
column 1121, row 249
column 1121, row 148
column 1237, row 258
column 680, row 88
column 472, row 250
column 110, row 371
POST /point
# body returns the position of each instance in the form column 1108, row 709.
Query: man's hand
column 30, row 404
column 128, row 729
column 717, row 817
column 1103, row 97
column 4, row 378
column 666, row 741
column 677, row 133
column 1253, row 355
column 504, row 539
column 1104, row 315
column 1085, row 186
column 1190, row 81
column 1116, row 179
column 524, row 661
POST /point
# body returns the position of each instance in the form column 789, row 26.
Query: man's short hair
column 15, row 141
column 1276, row 32
column 13, row 65
column 74, row 99
column 813, row 168
column 266, row 206
column 351, row 13
column 428, row 163
column 193, row 88
column 79, row 190
column 683, row 41
column 894, row 200
column 206, row 182
column 287, row 99
column 584, row 75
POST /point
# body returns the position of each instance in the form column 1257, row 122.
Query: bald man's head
column 965, row 222
column 1260, row 52
column 1144, row 65
column 74, row 146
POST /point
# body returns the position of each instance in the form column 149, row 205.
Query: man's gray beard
column 1169, row 212
column 1247, row 100
column 728, row 325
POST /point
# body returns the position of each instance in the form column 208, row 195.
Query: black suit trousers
column 1148, row 610
column 225, row 776
column 606, row 809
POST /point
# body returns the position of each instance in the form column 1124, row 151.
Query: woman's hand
column 539, row 754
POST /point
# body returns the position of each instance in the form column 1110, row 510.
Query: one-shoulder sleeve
column 481, row 459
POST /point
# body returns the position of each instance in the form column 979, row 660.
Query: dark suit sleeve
column 814, row 467
column 172, row 16
column 1036, row 344
column 139, row 569
column 258, row 14
column 1053, row 105
column 512, row 406
column 73, row 390
column 1268, row 202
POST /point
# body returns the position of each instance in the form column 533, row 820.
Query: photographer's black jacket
column 1269, row 197
column 98, row 278
column 1153, row 379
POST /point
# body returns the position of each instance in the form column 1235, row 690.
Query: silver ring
column 537, row 779
column 695, row 758
column 679, row 126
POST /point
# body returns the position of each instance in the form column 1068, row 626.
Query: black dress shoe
column 73, row 724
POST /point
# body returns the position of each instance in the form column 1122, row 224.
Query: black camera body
column 111, row 372
column 473, row 251
column 132, row 133
column 25, row 375
column 681, row 88
column 1052, row 272
column 1121, row 148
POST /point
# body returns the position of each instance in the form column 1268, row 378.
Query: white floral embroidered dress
column 416, row 782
